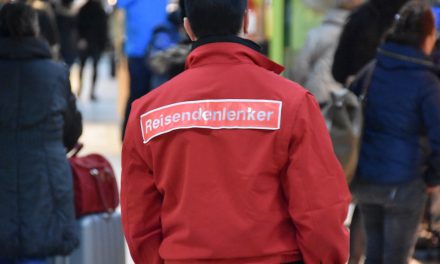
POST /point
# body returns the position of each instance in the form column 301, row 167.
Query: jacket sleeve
column 431, row 119
column 343, row 57
column 304, row 61
column 355, row 46
column 140, row 200
column 358, row 43
column 73, row 126
column 316, row 189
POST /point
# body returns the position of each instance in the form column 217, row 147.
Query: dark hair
column 182, row 7
column 412, row 24
column 215, row 17
column 175, row 17
column 18, row 20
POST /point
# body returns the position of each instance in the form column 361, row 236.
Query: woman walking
column 402, row 106
column 39, row 122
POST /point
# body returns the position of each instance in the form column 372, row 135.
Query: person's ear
column 189, row 30
column 246, row 22
column 429, row 42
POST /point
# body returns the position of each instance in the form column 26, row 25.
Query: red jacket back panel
column 219, row 190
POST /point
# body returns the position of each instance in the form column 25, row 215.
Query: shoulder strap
column 78, row 147
column 367, row 73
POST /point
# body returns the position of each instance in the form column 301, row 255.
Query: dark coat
column 67, row 29
column 362, row 35
column 403, row 106
column 37, row 113
column 92, row 26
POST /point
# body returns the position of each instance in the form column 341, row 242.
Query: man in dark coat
column 38, row 121
column 93, row 37
column 67, row 29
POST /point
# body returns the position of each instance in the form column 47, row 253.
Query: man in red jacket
column 229, row 163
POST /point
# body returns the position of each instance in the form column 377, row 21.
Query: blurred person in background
column 312, row 66
column 313, row 69
column 92, row 40
column 402, row 106
column 142, row 16
column 67, row 30
column 39, row 123
column 362, row 35
column 48, row 24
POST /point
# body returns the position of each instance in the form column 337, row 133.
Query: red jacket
column 229, row 163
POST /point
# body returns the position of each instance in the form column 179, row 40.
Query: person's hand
column 82, row 44
column 433, row 189
column 350, row 79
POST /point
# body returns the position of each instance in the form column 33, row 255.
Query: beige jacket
column 312, row 66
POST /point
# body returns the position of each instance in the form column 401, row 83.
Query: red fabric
column 251, row 4
column 96, row 189
column 237, row 196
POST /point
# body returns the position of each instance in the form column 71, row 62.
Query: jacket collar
column 28, row 48
column 393, row 55
column 229, row 50
column 336, row 16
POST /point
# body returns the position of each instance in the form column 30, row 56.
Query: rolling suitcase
column 101, row 241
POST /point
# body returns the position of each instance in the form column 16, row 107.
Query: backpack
column 170, row 61
column 344, row 118
column 153, row 47
column 152, row 44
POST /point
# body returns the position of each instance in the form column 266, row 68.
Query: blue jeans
column 140, row 84
column 391, row 215
column 24, row 261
